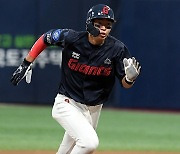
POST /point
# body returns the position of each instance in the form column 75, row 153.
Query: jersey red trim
column 38, row 47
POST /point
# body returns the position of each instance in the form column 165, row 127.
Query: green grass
column 28, row 128
column 33, row 128
column 139, row 131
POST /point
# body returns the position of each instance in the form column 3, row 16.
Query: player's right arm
column 52, row 37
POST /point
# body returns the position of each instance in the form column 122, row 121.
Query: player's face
column 104, row 26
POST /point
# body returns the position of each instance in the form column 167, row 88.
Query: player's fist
column 22, row 71
column 132, row 69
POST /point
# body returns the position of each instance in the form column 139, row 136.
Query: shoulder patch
column 56, row 34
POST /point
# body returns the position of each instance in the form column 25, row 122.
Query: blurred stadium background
column 149, row 28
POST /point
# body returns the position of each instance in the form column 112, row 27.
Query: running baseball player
column 91, row 60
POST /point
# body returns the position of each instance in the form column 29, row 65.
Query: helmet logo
column 105, row 10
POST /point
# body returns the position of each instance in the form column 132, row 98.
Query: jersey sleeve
column 119, row 66
column 56, row 37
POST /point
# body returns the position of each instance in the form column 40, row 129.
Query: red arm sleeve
column 38, row 47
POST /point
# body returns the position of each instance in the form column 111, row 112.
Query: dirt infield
column 102, row 152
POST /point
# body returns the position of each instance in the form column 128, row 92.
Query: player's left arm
column 127, row 68
column 132, row 70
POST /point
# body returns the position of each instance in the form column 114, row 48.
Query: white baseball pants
column 79, row 122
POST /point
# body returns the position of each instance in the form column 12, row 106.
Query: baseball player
column 91, row 60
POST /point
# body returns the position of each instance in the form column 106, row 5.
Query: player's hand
column 132, row 69
column 24, row 70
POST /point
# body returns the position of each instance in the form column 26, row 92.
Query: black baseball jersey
column 88, row 71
